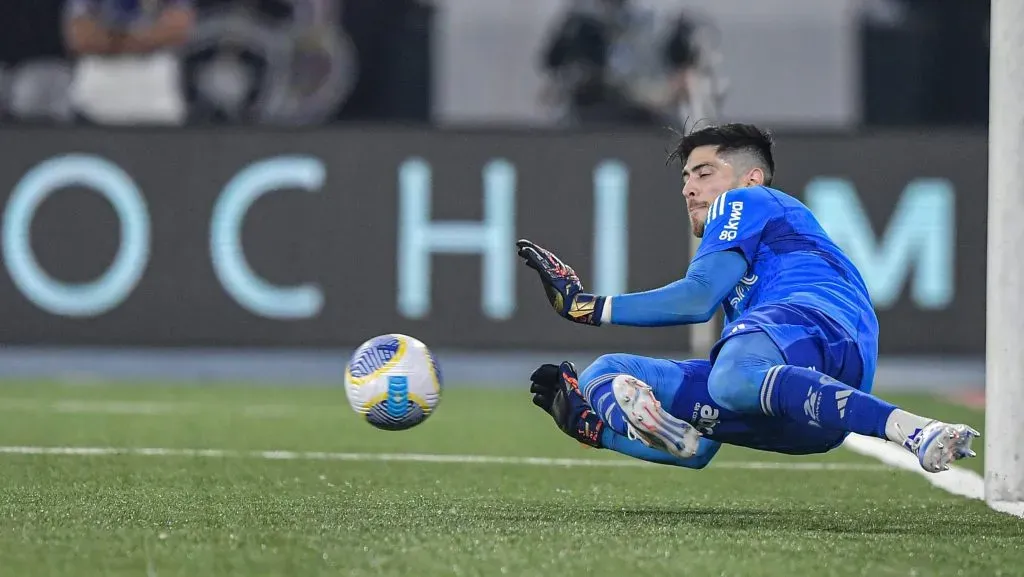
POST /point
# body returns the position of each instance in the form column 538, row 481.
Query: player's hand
column 562, row 285
column 555, row 390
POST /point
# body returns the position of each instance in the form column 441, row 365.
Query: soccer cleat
column 651, row 424
column 938, row 444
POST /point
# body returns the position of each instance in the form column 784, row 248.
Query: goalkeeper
column 793, row 369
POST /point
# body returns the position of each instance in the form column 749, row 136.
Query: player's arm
column 636, row 449
column 732, row 233
column 692, row 299
column 86, row 34
column 83, row 32
column 731, row 236
column 170, row 30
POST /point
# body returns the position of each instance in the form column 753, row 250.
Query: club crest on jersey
column 742, row 289
column 812, row 407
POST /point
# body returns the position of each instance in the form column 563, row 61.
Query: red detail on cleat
column 652, row 426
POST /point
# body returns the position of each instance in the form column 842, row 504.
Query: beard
column 698, row 212
column 697, row 221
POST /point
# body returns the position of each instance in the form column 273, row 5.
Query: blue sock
column 805, row 394
column 598, row 393
column 596, row 388
column 665, row 377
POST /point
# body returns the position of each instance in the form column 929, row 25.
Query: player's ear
column 755, row 177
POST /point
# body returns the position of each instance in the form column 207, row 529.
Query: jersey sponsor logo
column 704, row 418
column 733, row 225
column 742, row 289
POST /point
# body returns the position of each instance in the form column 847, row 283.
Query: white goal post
column 1004, row 362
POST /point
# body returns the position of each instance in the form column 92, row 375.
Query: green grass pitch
column 239, row 513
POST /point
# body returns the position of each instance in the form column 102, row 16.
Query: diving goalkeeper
column 794, row 367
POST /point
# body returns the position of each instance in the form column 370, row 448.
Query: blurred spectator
column 613, row 62
column 302, row 62
column 268, row 61
column 127, row 71
column 34, row 74
column 234, row 65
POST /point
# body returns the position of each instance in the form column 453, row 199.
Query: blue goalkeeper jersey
column 791, row 262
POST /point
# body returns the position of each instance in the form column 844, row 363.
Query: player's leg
column 556, row 390
column 653, row 383
column 706, row 450
column 752, row 375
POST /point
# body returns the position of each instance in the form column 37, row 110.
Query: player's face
column 705, row 176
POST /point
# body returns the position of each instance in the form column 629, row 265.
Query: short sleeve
column 736, row 220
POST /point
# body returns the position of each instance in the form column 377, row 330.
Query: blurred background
column 248, row 189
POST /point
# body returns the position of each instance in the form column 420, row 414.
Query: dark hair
column 730, row 138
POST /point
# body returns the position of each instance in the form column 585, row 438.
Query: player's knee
column 735, row 385
column 607, row 364
column 603, row 369
column 595, row 386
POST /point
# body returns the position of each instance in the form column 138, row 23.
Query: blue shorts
column 809, row 339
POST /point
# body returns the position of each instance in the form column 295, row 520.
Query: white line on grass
column 422, row 458
column 147, row 408
column 957, row 480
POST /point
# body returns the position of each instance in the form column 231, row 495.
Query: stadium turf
column 325, row 504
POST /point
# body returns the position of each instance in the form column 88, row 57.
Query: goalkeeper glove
column 556, row 390
column 562, row 286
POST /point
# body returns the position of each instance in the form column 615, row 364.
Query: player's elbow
column 698, row 300
column 704, row 295
column 709, row 311
column 83, row 36
column 693, row 316
column 178, row 24
column 707, row 303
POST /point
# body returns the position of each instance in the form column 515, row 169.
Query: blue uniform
column 694, row 404
column 682, row 389
column 799, row 289
column 799, row 303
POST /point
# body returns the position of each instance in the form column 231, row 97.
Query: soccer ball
column 393, row 381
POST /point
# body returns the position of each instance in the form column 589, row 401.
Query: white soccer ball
column 393, row 381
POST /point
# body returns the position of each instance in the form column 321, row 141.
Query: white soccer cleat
column 649, row 423
column 938, row 444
